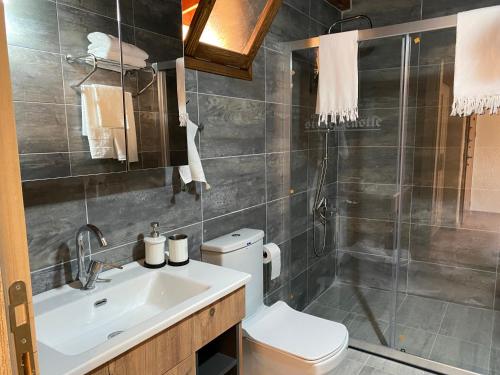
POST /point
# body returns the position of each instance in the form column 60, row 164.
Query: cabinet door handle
column 212, row 311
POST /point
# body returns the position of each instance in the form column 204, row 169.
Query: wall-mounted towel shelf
column 99, row 63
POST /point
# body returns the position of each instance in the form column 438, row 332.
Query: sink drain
column 113, row 334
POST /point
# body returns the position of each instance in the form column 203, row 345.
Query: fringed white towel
column 338, row 77
column 477, row 67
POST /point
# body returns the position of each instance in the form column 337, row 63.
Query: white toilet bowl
column 278, row 339
column 282, row 341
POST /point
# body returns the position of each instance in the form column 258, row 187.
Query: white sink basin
column 94, row 318
column 79, row 330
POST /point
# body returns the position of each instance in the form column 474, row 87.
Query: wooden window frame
column 212, row 59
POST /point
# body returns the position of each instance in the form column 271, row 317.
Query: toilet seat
column 307, row 338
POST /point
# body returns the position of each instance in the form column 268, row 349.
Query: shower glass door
column 364, row 189
column 452, row 220
column 414, row 208
column 369, row 190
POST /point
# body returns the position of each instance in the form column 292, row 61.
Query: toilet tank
column 241, row 250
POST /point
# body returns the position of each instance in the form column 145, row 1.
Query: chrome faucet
column 89, row 277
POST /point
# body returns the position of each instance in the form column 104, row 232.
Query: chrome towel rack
column 97, row 62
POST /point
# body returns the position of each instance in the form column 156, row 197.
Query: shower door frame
column 404, row 30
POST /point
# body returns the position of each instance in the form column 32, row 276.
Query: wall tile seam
column 262, row 154
column 65, row 5
column 386, row 257
column 59, row 54
column 228, row 97
column 269, row 293
column 418, row 223
column 453, row 266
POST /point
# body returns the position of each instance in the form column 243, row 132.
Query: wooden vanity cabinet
column 174, row 351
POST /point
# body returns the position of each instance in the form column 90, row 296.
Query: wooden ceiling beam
column 340, row 4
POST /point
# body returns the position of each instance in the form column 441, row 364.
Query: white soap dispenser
column 155, row 248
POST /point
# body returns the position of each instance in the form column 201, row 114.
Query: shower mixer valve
column 323, row 211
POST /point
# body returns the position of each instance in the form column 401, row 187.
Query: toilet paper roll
column 272, row 254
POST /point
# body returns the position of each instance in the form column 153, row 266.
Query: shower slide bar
column 384, row 31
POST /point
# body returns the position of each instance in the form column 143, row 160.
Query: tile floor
column 359, row 363
column 459, row 335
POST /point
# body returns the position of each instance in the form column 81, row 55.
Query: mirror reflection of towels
column 103, row 125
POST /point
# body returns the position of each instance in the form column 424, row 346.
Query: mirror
column 162, row 42
column 61, row 52
column 171, row 90
column 48, row 107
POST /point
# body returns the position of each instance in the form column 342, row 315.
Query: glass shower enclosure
column 409, row 208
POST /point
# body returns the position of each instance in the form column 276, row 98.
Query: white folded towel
column 107, row 47
column 108, row 43
column 193, row 171
column 477, row 67
column 102, row 122
column 338, row 77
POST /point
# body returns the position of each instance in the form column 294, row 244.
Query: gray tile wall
column 257, row 166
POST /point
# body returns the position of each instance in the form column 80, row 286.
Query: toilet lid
column 299, row 334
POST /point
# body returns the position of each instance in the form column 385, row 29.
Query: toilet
column 278, row 340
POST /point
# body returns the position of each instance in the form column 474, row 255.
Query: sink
column 77, row 330
column 79, row 326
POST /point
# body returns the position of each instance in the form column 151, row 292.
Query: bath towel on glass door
column 337, row 100
column 477, row 67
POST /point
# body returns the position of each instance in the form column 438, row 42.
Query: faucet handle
column 95, row 269
column 113, row 265
column 97, row 266
column 108, row 265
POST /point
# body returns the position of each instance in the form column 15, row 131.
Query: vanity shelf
column 222, row 355
column 219, row 364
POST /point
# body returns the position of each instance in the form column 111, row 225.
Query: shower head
column 348, row 19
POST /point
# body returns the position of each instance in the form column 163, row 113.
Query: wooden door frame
column 5, row 362
column 14, row 259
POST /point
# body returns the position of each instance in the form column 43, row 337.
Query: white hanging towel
column 193, row 171
column 181, row 91
column 338, row 77
column 477, row 67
